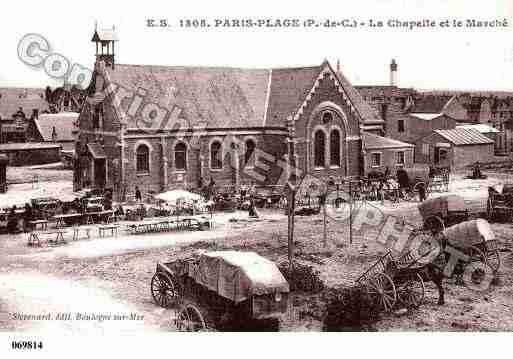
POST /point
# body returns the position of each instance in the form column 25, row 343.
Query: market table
column 90, row 215
column 34, row 237
column 42, row 222
column 60, row 218
column 76, row 232
column 112, row 228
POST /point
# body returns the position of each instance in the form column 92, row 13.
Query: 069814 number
column 26, row 345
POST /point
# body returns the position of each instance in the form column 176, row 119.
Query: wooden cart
column 220, row 290
column 392, row 280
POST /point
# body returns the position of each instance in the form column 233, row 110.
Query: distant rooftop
column 464, row 136
column 375, row 142
column 26, row 146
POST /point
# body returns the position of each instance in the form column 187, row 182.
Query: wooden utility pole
column 350, row 213
column 292, row 190
column 324, row 198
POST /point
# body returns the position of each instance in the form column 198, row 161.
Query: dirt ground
column 112, row 275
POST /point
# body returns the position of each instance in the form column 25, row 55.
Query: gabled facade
column 160, row 128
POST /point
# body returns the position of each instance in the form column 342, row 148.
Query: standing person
column 138, row 196
column 27, row 217
column 252, row 212
column 422, row 192
column 200, row 183
column 12, row 221
column 210, row 189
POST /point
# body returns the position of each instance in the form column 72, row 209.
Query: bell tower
column 105, row 40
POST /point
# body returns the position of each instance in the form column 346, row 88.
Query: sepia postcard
column 253, row 168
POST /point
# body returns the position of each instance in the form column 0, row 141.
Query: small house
column 456, row 148
column 381, row 153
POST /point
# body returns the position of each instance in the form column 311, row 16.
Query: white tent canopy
column 178, row 195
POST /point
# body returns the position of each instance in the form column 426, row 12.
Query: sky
column 452, row 58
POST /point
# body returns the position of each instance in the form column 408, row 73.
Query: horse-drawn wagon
column 400, row 278
column 221, row 289
column 413, row 180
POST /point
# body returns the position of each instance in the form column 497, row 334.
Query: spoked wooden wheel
column 476, row 255
column 191, row 318
column 489, row 209
column 163, row 290
column 415, row 191
column 434, row 224
column 381, row 291
column 408, row 195
column 493, row 259
column 412, row 291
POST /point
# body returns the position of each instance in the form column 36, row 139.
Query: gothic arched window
column 216, row 160
column 249, row 159
column 319, row 148
column 181, row 156
column 335, row 148
column 142, row 159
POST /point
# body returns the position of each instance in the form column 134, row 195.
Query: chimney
column 393, row 73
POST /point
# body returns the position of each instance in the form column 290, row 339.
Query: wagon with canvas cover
column 441, row 212
column 476, row 239
column 221, row 289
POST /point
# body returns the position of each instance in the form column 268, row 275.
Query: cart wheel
column 477, row 255
column 493, row 260
column 381, row 291
column 163, row 290
column 489, row 210
column 412, row 291
column 408, row 195
column 416, row 189
column 192, row 318
column 434, row 224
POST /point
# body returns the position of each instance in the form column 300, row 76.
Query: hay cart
column 500, row 202
column 221, row 289
column 390, row 280
column 476, row 239
column 441, row 212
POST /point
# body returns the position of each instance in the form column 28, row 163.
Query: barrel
column 469, row 233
